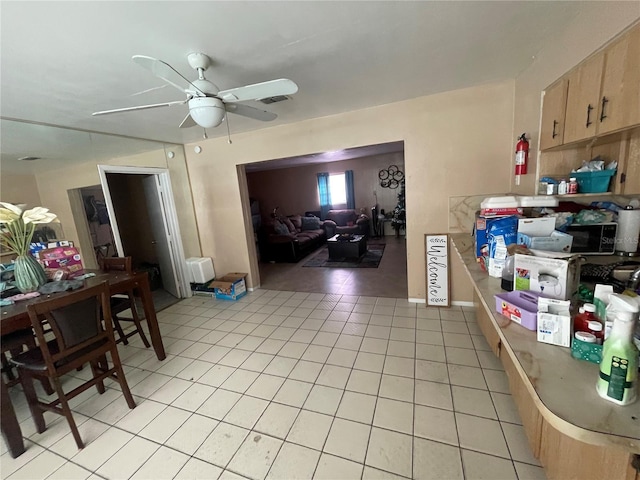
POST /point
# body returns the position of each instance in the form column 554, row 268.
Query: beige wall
column 295, row 189
column 19, row 189
column 456, row 143
column 53, row 188
column 597, row 23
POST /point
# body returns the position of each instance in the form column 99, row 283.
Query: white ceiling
column 61, row 61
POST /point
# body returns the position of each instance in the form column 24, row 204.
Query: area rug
column 371, row 259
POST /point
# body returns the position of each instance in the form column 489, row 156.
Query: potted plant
column 16, row 229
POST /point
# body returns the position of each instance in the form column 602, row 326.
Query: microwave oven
column 595, row 239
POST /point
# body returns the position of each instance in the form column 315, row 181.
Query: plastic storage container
column 593, row 182
column 520, row 306
column 200, row 269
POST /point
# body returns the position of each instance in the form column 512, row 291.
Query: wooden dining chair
column 121, row 303
column 79, row 337
column 14, row 344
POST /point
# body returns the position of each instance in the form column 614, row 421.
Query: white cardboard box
column 554, row 275
column 540, row 234
column 554, row 321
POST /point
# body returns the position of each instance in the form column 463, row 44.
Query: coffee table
column 340, row 250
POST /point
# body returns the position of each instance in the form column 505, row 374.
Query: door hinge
column 623, row 177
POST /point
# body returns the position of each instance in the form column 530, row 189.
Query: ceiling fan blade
column 188, row 122
column 272, row 88
column 167, row 73
column 251, row 112
column 140, row 107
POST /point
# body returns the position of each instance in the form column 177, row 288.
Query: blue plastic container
column 593, row 182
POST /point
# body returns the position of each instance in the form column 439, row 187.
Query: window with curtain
column 324, row 194
column 336, row 189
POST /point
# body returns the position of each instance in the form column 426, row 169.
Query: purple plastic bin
column 521, row 306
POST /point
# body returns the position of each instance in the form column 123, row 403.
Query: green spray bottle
column 618, row 379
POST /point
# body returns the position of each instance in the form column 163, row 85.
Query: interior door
column 161, row 236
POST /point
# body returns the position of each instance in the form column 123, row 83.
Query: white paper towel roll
column 628, row 231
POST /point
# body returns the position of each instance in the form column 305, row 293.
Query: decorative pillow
column 297, row 221
column 288, row 224
column 310, row 223
column 280, row 228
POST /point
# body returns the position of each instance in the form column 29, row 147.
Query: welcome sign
column 437, row 266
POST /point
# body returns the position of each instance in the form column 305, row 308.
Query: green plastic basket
column 593, row 182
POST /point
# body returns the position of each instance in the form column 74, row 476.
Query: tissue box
column 230, row 286
column 555, row 242
column 540, row 234
column 554, row 321
column 555, row 275
column 520, row 307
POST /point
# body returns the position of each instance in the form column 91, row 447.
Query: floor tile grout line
column 332, row 348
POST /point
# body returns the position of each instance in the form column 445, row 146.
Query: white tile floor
column 294, row 385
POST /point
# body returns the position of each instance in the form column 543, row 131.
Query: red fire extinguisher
column 522, row 156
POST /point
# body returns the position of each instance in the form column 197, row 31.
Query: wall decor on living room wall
column 391, row 177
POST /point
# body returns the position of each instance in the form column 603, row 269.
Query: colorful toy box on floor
column 230, row 286
column 65, row 259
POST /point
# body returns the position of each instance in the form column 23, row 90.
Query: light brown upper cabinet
column 583, row 99
column 553, row 111
column 620, row 98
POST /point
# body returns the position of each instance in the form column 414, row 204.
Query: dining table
column 15, row 317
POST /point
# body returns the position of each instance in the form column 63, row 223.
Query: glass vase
column 28, row 273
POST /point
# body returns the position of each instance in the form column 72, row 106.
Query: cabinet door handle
column 589, row 108
column 605, row 100
column 554, row 134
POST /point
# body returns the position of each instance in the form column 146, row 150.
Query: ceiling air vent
column 29, row 159
column 276, row 99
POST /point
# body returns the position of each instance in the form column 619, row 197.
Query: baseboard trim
column 455, row 303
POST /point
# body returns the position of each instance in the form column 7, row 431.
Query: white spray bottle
column 619, row 367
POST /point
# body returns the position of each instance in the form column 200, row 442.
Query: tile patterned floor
column 286, row 385
column 388, row 280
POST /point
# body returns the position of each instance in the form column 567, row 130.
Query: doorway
column 144, row 223
column 289, row 186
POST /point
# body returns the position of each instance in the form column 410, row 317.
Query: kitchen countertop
column 565, row 386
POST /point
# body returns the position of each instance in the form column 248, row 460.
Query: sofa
column 288, row 239
column 346, row 221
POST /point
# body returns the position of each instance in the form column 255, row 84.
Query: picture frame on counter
column 437, row 269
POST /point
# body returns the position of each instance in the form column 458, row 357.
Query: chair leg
column 46, row 385
column 6, row 367
column 116, row 324
column 136, row 320
column 32, row 400
column 96, row 371
column 124, row 386
column 66, row 409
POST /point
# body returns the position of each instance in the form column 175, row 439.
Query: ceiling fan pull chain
column 228, row 133
column 204, row 133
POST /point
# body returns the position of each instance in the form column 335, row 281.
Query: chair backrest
column 122, row 264
column 75, row 319
column 343, row 217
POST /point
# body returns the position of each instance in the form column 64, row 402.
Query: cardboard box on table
column 65, row 259
column 481, row 235
column 555, row 275
column 541, row 234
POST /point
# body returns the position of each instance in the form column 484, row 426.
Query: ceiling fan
column 207, row 103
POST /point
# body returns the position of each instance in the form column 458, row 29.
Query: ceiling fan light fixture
column 208, row 112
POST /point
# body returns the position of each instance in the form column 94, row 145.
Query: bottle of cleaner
column 619, row 367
